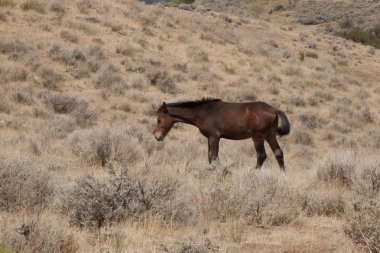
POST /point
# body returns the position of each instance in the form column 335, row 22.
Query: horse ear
column 164, row 107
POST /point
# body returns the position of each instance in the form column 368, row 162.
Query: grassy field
column 80, row 170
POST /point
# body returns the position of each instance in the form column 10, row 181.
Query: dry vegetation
column 80, row 171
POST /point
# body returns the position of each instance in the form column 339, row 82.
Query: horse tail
column 283, row 127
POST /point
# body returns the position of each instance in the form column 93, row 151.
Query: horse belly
column 236, row 133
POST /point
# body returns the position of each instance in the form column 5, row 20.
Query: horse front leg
column 213, row 150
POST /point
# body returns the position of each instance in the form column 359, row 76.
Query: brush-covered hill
column 80, row 171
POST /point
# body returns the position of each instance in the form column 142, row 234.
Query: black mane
column 190, row 104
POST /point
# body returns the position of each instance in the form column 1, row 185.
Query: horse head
column 164, row 122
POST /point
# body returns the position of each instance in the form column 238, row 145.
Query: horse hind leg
column 260, row 152
column 276, row 150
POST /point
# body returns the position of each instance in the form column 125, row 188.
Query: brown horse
column 235, row 121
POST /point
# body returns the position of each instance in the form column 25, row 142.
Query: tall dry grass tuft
column 338, row 168
column 323, row 203
column 367, row 182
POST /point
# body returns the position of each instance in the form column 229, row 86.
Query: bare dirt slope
column 80, row 82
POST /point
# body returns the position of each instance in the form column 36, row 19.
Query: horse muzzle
column 159, row 136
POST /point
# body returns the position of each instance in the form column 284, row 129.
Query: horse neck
column 184, row 115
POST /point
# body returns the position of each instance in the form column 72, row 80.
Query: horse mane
column 190, row 104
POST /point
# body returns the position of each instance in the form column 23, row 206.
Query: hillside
column 80, row 170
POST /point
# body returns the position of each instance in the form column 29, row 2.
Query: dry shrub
column 311, row 55
column 68, row 36
column 183, row 67
column 323, row 96
column 74, row 105
column 50, row 79
column 302, row 137
column 5, row 104
column 273, row 89
column 21, row 96
column 297, row 101
column 203, row 76
column 23, row 185
column 172, row 202
column 100, row 146
column 65, row 103
column 246, row 47
column 218, row 36
column 37, row 5
column 257, row 197
column 337, row 168
column 93, row 203
column 363, row 224
column 66, row 56
column 39, row 235
column 96, row 56
column 292, row 71
column 13, row 74
column 111, row 79
column 96, row 51
column 282, row 209
column 191, row 245
column 34, row 62
column 4, row 3
column 15, row 49
column 61, row 126
column 197, row 54
column 163, row 81
column 311, row 120
column 368, row 181
column 58, row 7
column 323, row 203
column 83, row 5
column 3, row 16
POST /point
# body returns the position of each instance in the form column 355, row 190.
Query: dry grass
column 38, row 234
column 36, row 5
column 80, row 82
column 363, row 225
